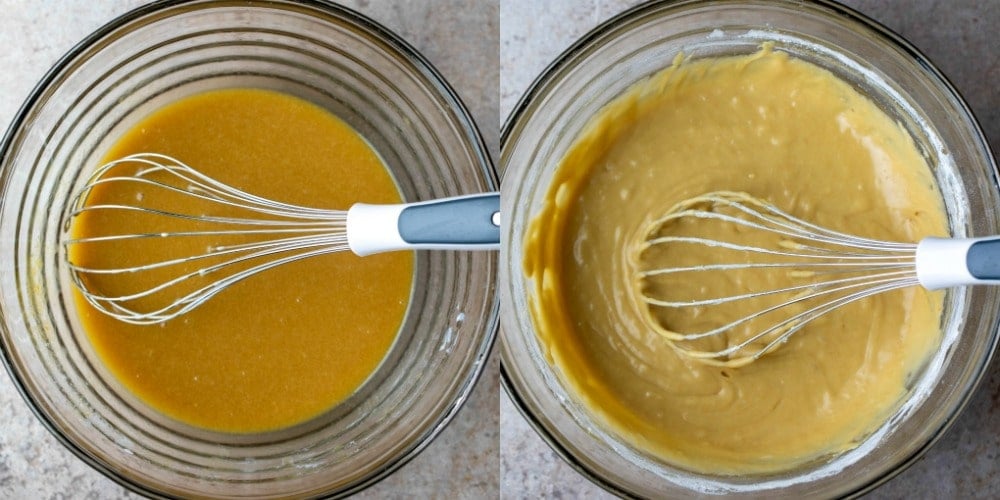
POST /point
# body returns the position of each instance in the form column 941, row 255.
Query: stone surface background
column 491, row 50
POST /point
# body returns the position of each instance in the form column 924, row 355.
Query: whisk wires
column 773, row 272
column 234, row 235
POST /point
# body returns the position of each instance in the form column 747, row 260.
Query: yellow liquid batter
column 779, row 129
column 287, row 344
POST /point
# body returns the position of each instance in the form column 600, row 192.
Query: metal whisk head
column 219, row 235
column 727, row 278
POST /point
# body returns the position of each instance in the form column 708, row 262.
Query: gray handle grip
column 949, row 262
column 468, row 220
column 983, row 259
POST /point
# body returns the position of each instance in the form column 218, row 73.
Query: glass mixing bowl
column 160, row 53
column 644, row 40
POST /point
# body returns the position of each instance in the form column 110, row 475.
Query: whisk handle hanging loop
column 458, row 223
column 949, row 262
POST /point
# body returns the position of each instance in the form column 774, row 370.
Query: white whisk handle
column 458, row 223
column 948, row 262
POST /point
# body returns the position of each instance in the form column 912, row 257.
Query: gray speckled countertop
column 460, row 38
column 959, row 37
column 489, row 451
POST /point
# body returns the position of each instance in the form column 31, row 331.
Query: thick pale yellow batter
column 779, row 129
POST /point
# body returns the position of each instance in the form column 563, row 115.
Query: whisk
column 246, row 234
column 824, row 270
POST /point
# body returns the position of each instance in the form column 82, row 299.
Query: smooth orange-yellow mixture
column 283, row 346
column 782, row 130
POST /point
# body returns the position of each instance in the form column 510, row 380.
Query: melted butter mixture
column 779, row 129
column 287, row 344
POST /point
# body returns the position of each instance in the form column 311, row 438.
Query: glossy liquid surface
column 285, row 345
